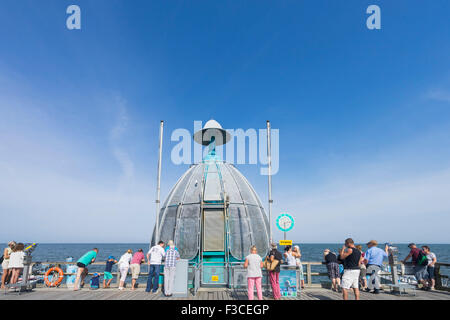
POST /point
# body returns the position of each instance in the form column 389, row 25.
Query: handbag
column 270, row 265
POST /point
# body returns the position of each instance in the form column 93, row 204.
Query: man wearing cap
column 420, row 271
column 373, row 258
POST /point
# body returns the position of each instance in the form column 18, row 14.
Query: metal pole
column 393, row 264
column 269, row 160
column 158, row 188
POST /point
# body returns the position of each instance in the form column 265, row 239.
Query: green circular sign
column 285, row 222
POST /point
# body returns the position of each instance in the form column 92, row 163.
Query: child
column 95, row 281
column 16, row 262
column 107, row 276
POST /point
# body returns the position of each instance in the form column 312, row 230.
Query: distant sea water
column 311, row 252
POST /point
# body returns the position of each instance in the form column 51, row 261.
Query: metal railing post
column 269, row 161
column 158, row 183
column 308, row 274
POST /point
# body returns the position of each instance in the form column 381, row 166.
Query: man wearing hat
column 373, row 258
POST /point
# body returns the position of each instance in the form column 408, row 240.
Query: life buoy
column 57, row 277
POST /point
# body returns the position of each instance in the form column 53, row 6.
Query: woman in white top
column 5, row 264
column 253, row 264
column 124, row 265
column 16, row 262
column 288, row 257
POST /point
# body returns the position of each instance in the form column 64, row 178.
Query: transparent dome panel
column 246, row 192
column 240, row 232
column 188, row 231
column 168, row 224
column 230, row 185
column 180, row 187
column 194, row 190
column 213, row 186
column 259, row 229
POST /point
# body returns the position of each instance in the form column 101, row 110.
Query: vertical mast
column 158, row 183
column 269, row 159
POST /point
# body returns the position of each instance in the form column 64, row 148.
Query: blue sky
column 364, row 116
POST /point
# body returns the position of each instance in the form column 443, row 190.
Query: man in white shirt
column 154, row 257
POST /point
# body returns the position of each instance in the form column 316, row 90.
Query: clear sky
column 364, row 115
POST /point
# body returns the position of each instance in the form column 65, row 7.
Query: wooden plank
column 140, row 294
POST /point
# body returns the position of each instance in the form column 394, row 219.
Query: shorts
column 81, row 265
column 420, row 272
column 135, row 270
column 5, row 264
column 333, row 270
column 350, row 279
column 430, row 270
column 107, row 275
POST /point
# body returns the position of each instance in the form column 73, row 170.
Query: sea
column 311, row 252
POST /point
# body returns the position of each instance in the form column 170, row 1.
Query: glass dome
column 213, row 182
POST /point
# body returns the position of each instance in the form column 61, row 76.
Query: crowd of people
column 132, row 262
column 350, row 268
column 362, row 269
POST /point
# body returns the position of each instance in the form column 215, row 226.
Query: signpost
column 285, row 222
column 288, row 277
column 285, row 242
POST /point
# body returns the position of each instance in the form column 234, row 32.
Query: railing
column 442, row 280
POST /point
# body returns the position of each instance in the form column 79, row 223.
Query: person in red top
column 419, row 270
column 135, row 266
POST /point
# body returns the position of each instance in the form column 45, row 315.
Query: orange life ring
column 53, row 282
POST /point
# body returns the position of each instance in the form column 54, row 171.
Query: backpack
column 95, row 282
column 422, row 259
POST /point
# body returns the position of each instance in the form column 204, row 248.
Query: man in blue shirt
column 373, row 258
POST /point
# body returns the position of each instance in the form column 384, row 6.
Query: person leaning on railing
column 420, row 263
column 82, row 263
column 333, row 269
column 124, row 265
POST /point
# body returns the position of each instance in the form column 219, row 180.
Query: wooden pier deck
column 205, row 294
